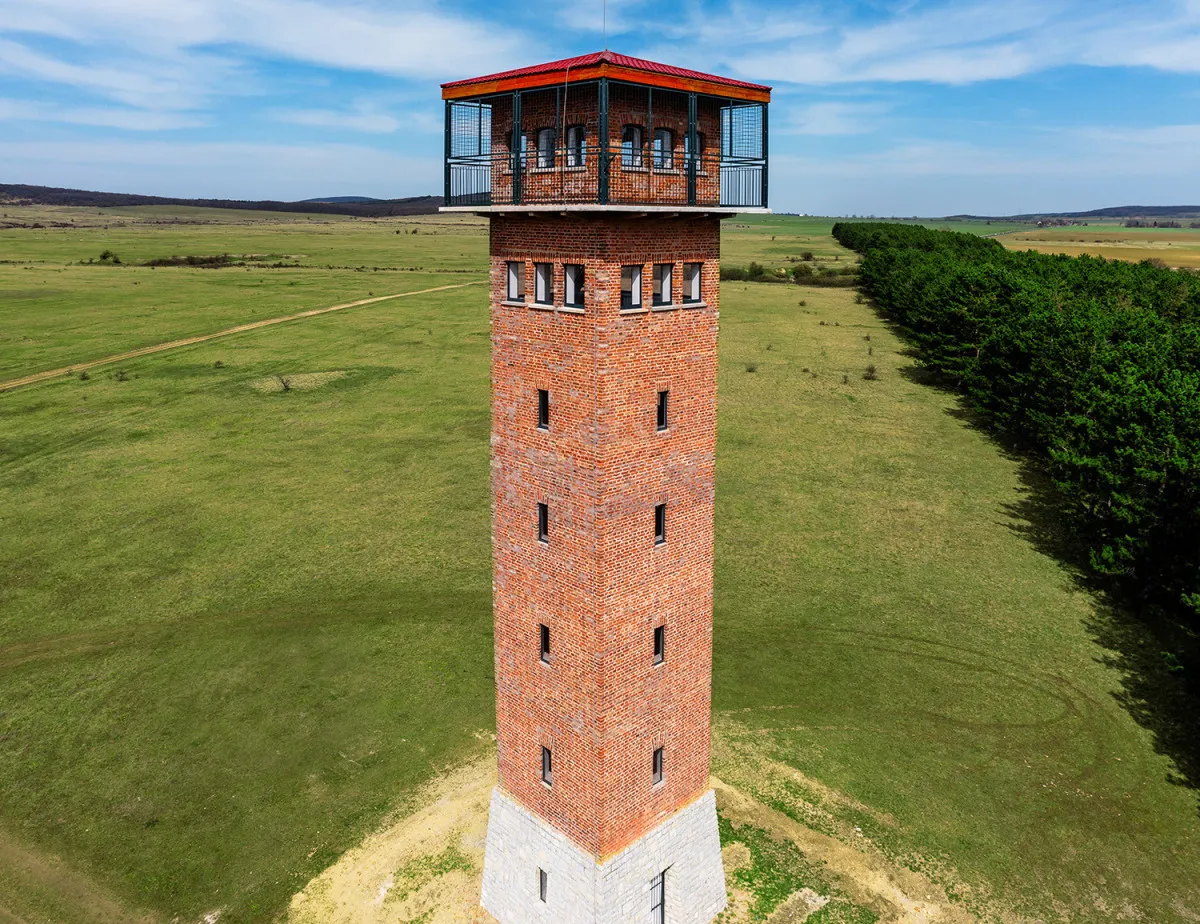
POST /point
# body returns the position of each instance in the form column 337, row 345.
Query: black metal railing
column 633, row 177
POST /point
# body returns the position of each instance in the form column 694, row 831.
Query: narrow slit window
column 543, row 283
column 656, row 766
column 576, row 146
column 543, row 409
column 662, row 283
column 543, row 884
column 658, row 899
column 543, row 522
column 660, row 644
column 631, row 287
column 516, row 281
column 545, row 148
column 691, row 282
column 547, row 768
column 573, row 285
column 660, row 524
column 661, row 413
column 544, row 643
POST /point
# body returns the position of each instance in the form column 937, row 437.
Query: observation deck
column 605, row 132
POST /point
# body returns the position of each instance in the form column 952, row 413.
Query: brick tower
column 605, row 179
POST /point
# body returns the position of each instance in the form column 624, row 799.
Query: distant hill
column 360, row 206
column 338, row 199
column 1121, row 211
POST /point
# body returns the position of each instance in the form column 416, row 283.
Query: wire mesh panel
column 649, row 130
column 469, row 153
column 743, row 154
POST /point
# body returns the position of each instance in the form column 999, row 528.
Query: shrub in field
column 1092, row 365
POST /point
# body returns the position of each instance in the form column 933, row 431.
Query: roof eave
column 501, row 84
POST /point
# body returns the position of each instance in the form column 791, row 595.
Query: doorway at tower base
column 621, row 890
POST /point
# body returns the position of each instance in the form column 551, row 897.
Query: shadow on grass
column 1158, row 698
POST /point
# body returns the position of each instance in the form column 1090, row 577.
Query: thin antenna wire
column 605, row 20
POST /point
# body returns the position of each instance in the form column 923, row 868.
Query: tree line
column 1091, row 365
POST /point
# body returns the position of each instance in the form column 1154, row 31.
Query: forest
column 1089, row 366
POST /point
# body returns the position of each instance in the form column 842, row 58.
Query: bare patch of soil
column 300, row 381
column 427, row 866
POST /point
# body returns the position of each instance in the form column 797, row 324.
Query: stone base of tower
column 618, row 891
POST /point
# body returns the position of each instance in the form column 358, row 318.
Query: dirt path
column 240, row 329
column 37, row 887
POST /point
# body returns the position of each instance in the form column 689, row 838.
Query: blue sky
column 880, row 107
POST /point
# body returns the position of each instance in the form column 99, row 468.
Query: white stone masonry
column 579, row 890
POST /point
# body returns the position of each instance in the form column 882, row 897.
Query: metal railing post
column 692, row 152
column 515, row 148
column 603, row 93
column 446, row 195
column 764, row 155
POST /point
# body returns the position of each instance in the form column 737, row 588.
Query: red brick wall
column 626, row 184
column 601, row 584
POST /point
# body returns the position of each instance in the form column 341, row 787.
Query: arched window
column 631, row 146
column 545, row 147
column 664, row 149
column 576, row 146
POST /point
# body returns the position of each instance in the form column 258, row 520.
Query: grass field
column 238, row 626
column 1177, row 247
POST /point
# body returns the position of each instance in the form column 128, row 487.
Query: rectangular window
column 543, row 412
column 543, row 517
column 543, row 283
column 660, row 524
column 631, row 287
column 543, row 882
column 631, row 147
column 658, row 899
column 662, row 283
column 516, row 281
column 547, row 770
column 544, row 642
column 660, row 644
column 656, row 766
column 573, row 285
column 661, row 417
column 691, row 281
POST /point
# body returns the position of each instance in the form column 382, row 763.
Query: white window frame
column 692, row 275
column 515, row 285
column 635, row 287
column 573, row 278
column 664, row 274
column 543, row 283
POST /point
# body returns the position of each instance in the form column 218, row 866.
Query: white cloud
column 129, row 119
column 372, row 122
column 832, row 118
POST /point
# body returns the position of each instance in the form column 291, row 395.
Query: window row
column 633, row 148
column 662, row 291
column 658, row 644
column 661, row 417
column 657, row 766
column 658, row 894
column 660, row 524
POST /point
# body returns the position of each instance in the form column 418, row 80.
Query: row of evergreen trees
column 1094, row 365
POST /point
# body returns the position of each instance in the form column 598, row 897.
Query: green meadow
column 241, row 625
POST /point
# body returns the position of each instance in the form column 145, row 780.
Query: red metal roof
column 608, row 57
